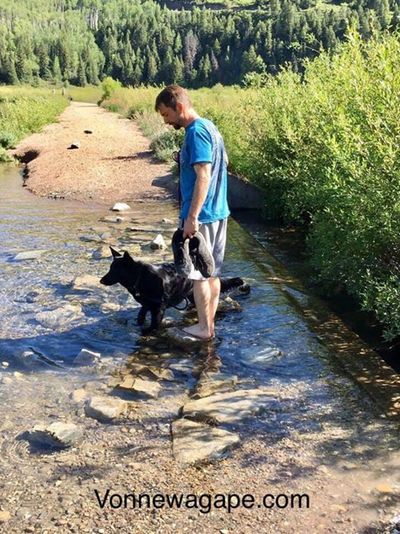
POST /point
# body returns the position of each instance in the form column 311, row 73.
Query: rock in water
column 87, row 357
column 229, row 407
column 158, row 243
column 120, row 206
column 29, row 255
column 86, row 282
column 143, row 388
column 60, row 316
column 104, row 409
column 58, row 434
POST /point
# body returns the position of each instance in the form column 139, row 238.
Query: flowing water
column 267, row 343
column 266, row 340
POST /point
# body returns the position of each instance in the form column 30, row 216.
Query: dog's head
column 123, row 269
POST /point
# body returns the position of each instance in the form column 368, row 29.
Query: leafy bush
column 325, row 148
column 24, row 110
column 7, row 140
column 109, row 86
column 166, row 143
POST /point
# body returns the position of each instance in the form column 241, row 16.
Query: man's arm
column 203, row 178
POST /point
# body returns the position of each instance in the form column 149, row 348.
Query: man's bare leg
column 215, row 289
column 202, row 298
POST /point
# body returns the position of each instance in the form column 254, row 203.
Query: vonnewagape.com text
column 204, row 502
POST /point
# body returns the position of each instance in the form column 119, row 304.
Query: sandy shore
column 112, row 163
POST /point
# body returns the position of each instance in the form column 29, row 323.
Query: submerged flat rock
column 87, row 357
column 197, row 442
column 60, row 316
column 143, row 388
column 29, row 255
column 215, row 383
column 230, row 407
column 104, row 409
column 86, row 282
column 58, row 434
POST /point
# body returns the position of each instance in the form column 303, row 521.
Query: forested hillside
column 134, row 41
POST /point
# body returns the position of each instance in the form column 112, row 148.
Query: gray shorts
column 215, row 236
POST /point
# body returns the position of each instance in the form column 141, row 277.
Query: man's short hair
column 171, row 95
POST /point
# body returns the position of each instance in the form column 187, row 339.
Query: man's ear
column 179, row 107
column 115, row 253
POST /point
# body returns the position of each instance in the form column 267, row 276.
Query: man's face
column 172, row 116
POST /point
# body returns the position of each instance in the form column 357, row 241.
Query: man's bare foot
column 197, row 331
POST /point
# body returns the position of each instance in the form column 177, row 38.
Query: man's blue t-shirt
column 203, row 144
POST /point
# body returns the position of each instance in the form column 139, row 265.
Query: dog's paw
column 244, row 289
column 141, row 317
column 147, row 331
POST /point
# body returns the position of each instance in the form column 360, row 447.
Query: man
column 203, row 184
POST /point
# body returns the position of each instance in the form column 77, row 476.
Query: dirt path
column 113, row 163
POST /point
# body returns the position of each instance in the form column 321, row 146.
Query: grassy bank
column 24, row 110
column 325, row 149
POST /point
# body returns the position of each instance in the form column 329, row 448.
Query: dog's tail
column 232, row 283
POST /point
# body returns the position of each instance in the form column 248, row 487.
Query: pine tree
column 57, row 74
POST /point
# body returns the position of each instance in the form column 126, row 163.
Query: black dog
column 155, row 287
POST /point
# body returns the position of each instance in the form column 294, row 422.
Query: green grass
column 24, row 110
column 90, row 93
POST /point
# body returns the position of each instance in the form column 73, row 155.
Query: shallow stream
column 49, row 313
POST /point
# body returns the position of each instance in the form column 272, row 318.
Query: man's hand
column 190, row 226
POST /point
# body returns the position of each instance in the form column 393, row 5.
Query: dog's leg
column 157, row 315
column 142, row 315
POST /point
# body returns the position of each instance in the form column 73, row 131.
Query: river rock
column 79, row 395
column 134, row 249
column 144, row 388
column 117, row 219
column 86, row 282
column 230, row 407
column 60, row 316
column 29, row 359
column 219, row 382
column 195, row 443
column 104, row 236
column 108, row 307
column 58, row 434
column 90, row 238
column 29, row 255
column 120, row 206
column 264, row 355
column 87, row 357
column 167, row 221
column 158, row 243
column 144, row 229
column 4, row 516
column 104, row 409
column 151, row 372
column 228, row 304
column 102, row 252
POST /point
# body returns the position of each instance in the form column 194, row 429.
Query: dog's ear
column 127, row 256
column 115, row 253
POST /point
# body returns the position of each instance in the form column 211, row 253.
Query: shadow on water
column 288, row 244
